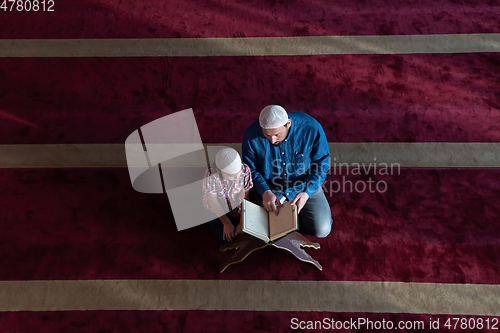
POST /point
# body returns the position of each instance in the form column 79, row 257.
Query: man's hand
column 300, row 200
column 269, row 200
column 228, row 233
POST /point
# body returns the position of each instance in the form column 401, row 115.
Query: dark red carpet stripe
column 429, row 226
column 234, row 321
column 258, row 18
column 357, row 98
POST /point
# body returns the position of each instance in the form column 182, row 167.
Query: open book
column 266, row 225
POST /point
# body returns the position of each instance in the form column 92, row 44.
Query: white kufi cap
column 273, row 116
column 228, row 160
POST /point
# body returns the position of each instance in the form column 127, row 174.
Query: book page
column 284, row 223
column 255, row 220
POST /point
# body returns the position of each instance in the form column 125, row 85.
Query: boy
column 225, row 185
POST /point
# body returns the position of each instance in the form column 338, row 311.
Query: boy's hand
column 239, row 229
column 228, row 233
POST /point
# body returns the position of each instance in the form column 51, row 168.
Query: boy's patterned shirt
column 227, row 191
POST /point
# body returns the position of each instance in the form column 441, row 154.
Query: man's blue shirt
column 299, row 164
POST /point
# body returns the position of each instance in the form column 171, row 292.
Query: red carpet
column 258, row 18
column 430, row 226
column 207, row 321
column 357, row 98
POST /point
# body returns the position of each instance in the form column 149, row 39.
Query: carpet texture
column 217, row 321
column 257, row 18
column 356, row 98
column 428, row 226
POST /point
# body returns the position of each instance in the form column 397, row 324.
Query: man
column 289, row 158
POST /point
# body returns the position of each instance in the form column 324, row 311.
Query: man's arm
column 269, row 199
column 320, row 163
column 250, row 158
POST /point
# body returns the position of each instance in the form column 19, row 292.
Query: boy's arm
column 217, row 208
column 228, row 232
column 246, row 196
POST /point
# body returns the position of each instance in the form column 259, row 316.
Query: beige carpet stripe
column 332, row 296
column 250, row 46
column 424, row 154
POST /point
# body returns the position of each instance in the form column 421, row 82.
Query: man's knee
column 320, row 220
column 323, row 229
column 324, row 221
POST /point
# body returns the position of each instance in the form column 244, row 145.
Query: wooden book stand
column 246, row 244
